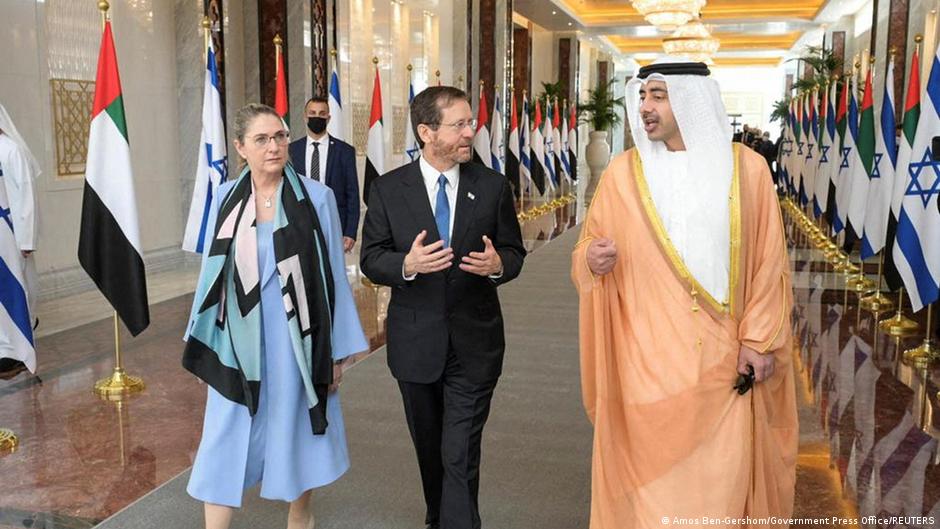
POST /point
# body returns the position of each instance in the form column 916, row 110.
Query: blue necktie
column 442, row 211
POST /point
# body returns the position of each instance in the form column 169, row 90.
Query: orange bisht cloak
column 672, row 439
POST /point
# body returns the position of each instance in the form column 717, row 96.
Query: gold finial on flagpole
column 278, row 40
column 375, row 61
column 206, row 30
column 409, row 67
column 333, row 53
column 104, row 6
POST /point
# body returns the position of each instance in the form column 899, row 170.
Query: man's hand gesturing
column 427, row 259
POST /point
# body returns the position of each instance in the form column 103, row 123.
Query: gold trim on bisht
column 695, row 288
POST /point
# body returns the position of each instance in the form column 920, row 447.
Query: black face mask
column 316, row 125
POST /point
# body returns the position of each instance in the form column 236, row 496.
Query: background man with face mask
column 335, row 165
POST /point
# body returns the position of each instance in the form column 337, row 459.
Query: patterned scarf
column 224, row 345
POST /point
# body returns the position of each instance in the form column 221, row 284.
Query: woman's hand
column 337, row 376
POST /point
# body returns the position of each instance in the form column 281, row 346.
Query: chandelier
column 692, row 40
column 667, row 15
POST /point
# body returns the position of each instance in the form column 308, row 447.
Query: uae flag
column 109, row 241
column 280, row 88
column 375, row 148
column 573, row 142
column 512, row 159
column 481, row 140
column 538, row 170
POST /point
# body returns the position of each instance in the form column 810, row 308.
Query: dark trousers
column 446, row 421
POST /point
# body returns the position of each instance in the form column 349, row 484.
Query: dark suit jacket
column 341, row 177
column 450, row 309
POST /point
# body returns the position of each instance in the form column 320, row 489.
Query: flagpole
column 104, row 6
column 119, row 383
column 205, row 29
column 928, row 351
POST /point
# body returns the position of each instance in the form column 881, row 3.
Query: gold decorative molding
column 360, row 124
column 72, row 101
column 399, row 122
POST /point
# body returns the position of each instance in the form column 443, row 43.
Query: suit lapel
column 416, row 196
column 466, row 204
column 330, row 161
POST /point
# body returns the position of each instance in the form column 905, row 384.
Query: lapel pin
column 471, row 196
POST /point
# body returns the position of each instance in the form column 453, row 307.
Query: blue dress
column 276, row 447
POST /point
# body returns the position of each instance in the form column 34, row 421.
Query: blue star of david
column 412, row 152
column 5, row 215
column 845, row 158
column 914, row 189
column 824, row 154
column 875, row 169
column 799, row 147
column 787, row 147
column 809, row 151
column 220, row 165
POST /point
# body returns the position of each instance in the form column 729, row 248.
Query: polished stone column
column 838, row 49
column 564, row 66
column 487, row 49
column 272, row 20
column 319, row 56
column 897, row 41
column 521, row 61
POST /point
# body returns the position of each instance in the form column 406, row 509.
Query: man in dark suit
column 445, row 328
column 335, row 167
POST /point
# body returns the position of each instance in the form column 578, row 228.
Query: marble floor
column 869, row 421
column 876, row 415
column 81, row 458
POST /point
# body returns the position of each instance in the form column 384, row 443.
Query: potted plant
column 601, row 113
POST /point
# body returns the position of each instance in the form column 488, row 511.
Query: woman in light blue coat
column 272, row 316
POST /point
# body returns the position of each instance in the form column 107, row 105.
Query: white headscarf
column 700, row 114
column 9, row 129
column 693, row 204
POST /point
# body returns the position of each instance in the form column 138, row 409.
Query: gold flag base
column 922, row 356
column 8, row 440
column 842, row 265
column 876, row 302
column 118, row 385
column 899, row 326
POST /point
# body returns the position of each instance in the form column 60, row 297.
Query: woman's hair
column 247, row 114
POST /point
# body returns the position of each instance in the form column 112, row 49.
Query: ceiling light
column 692, row 40
column 668, row 15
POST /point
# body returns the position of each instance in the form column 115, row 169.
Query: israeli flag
column 16, row 330
column 335, row 127
column 212, row 168
column 917, row 245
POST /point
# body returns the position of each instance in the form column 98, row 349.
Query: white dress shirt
column 430, row 176
column 308, row 156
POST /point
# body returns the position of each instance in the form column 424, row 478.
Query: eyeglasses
column 261, row 140
column 460, row 125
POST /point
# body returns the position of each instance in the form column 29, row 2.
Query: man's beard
column 452, row 153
